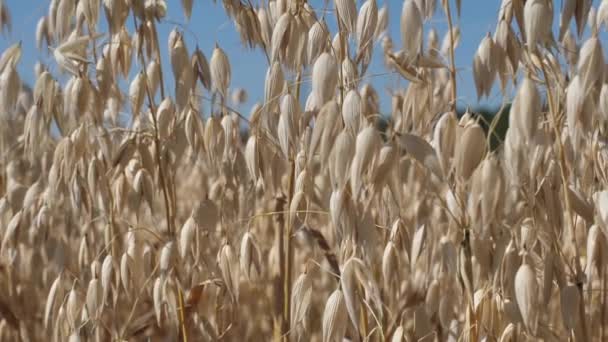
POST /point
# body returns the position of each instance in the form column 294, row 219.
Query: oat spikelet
column 220, row 71
column 250, row 257
column 411, row 29
column 526, row 106
column 324, row 77
column 346, row 12
column 538, row 18
column 335, row 318
column 526, row 294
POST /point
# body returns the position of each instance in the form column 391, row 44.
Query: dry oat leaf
column 580, row 205
column 570, row 301
column 602, row 15
column 422, row 151
column 596, row 241
column 508, row 333
column 408, row 71
column 390, row 263
column 187, row 6
column 418, row 244
column 5, row 18
column 69, row 55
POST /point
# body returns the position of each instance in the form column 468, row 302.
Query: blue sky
column 209, row 25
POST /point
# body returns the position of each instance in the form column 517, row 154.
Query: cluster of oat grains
column 313, row 224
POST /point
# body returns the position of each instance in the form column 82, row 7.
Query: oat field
column 300, row 219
